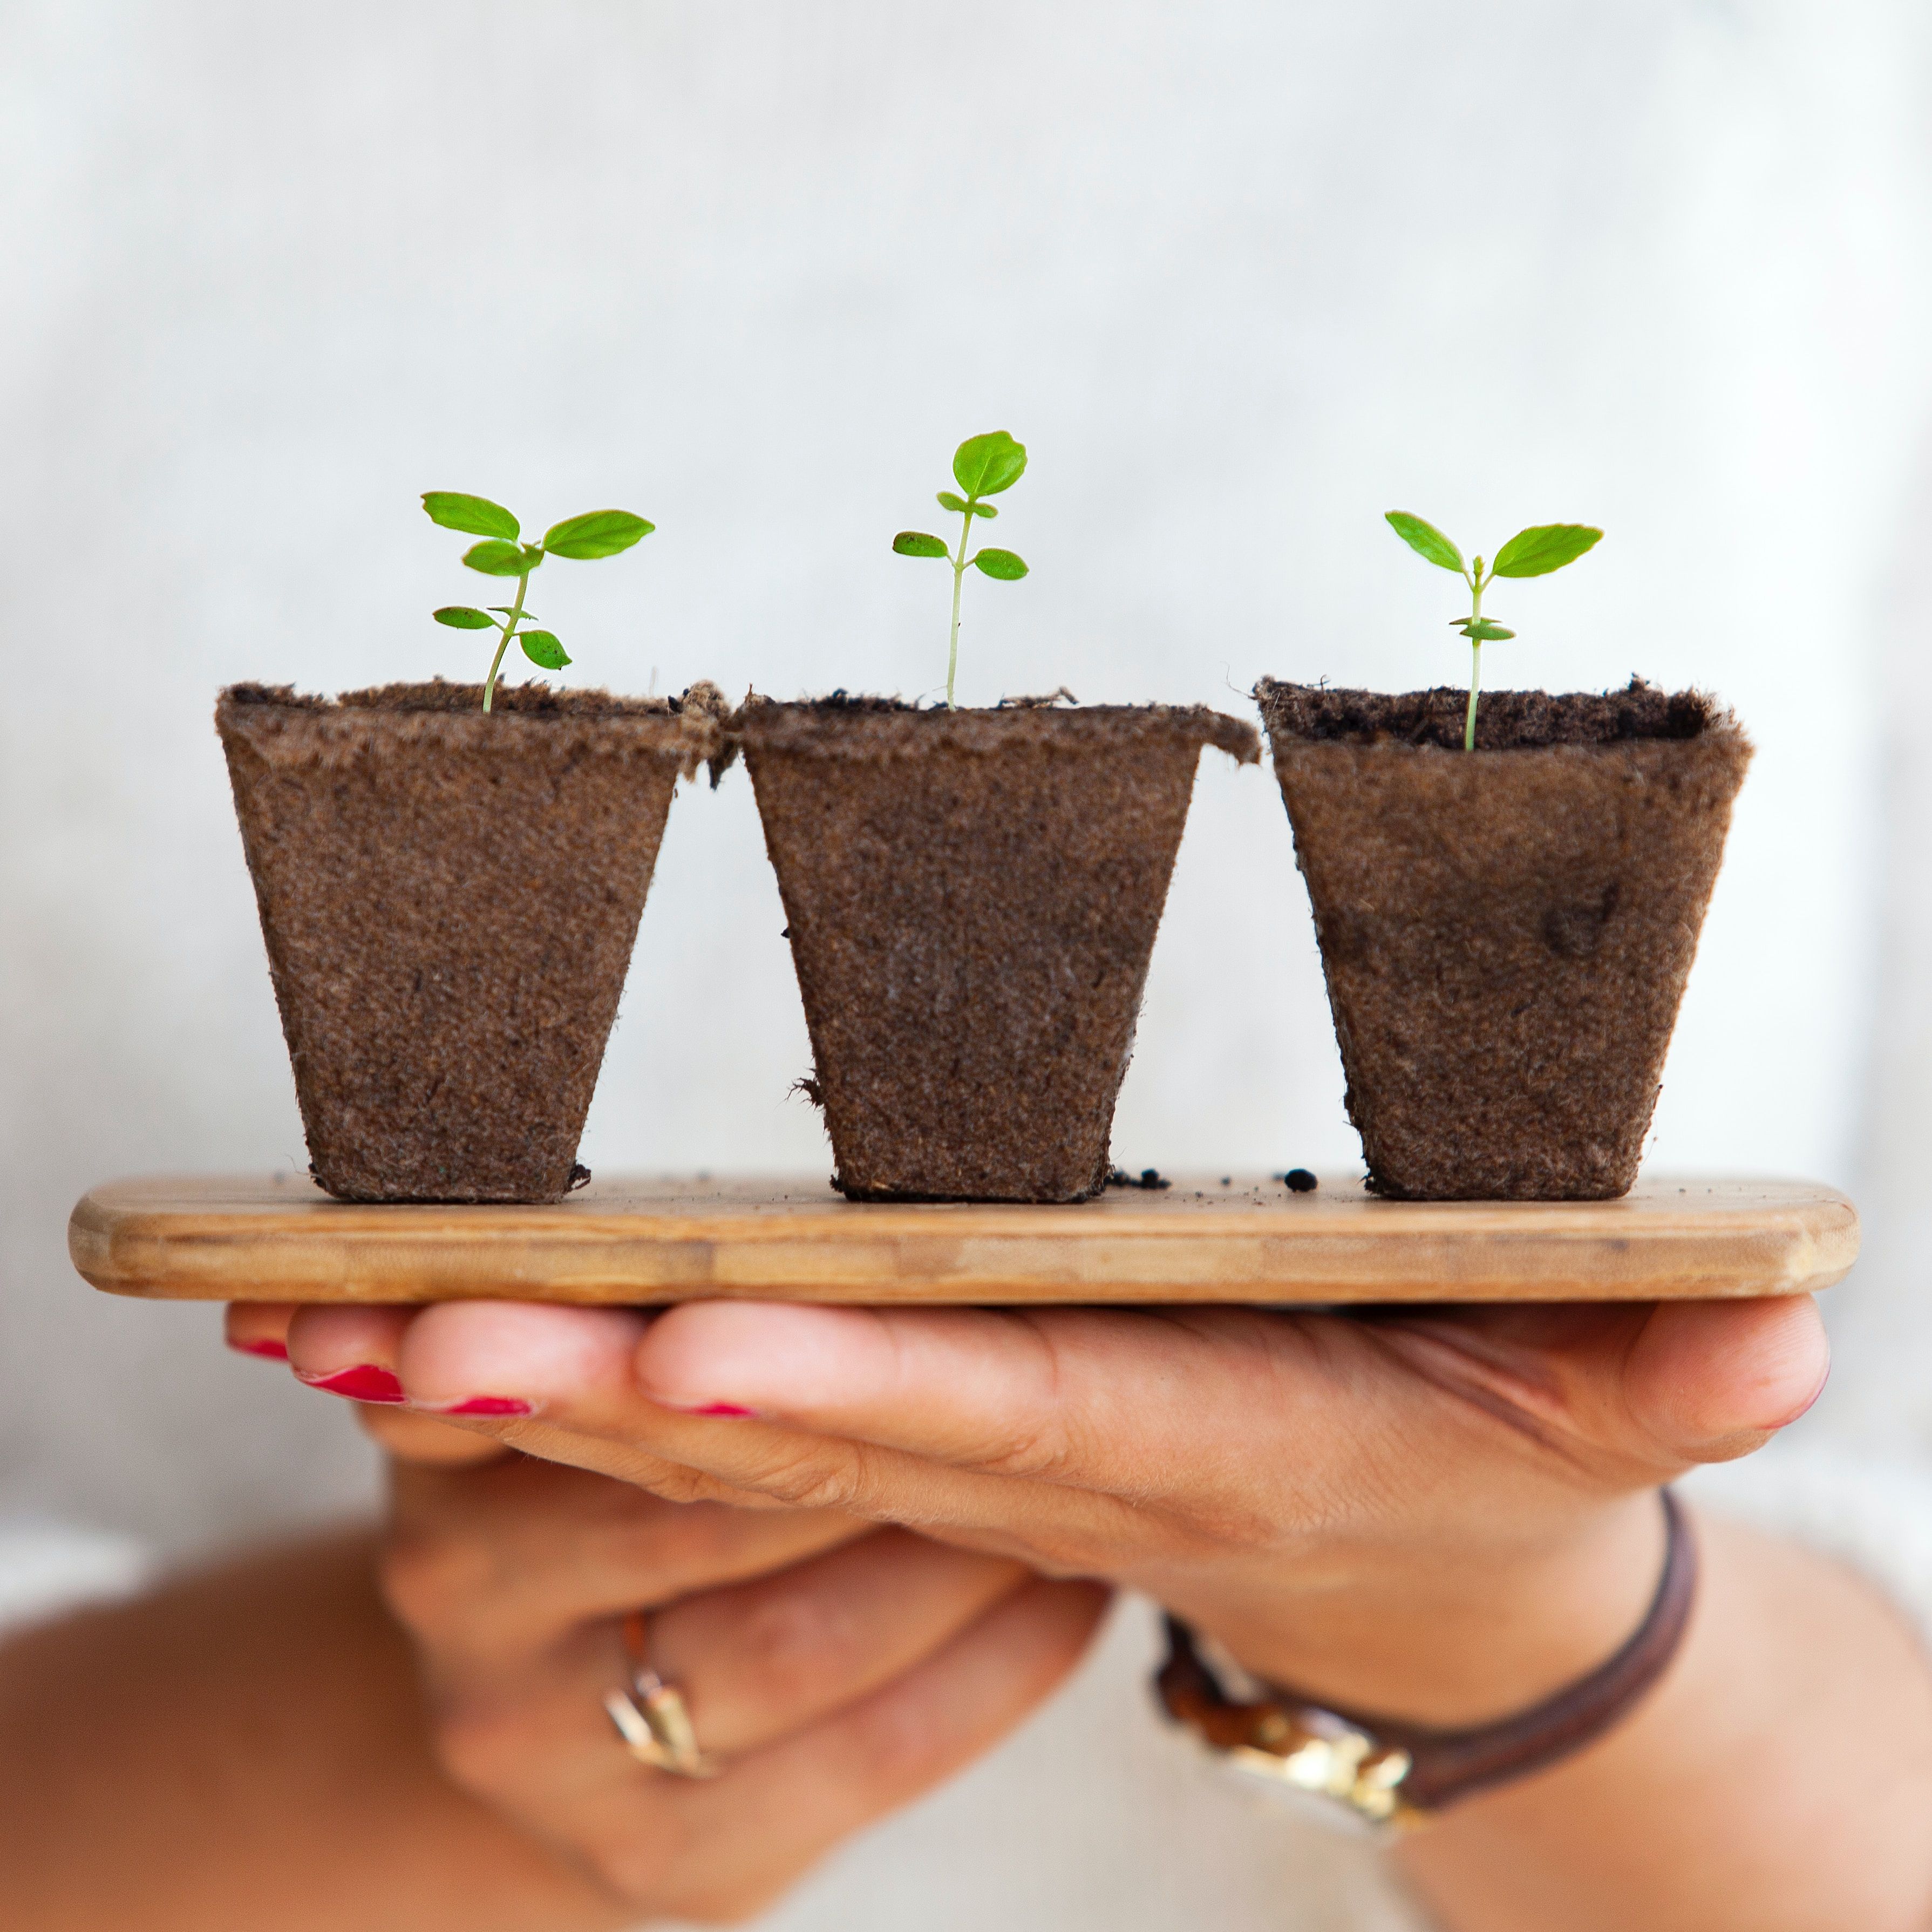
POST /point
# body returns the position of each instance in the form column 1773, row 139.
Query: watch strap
column 1389, row 1770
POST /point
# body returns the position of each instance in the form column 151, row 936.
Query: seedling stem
column 1476, row 581
column 982, row 466
column 958, row 578
column 510, row 623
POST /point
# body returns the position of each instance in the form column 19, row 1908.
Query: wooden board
column 278, row 1238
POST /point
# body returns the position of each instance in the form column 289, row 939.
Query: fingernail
column 481, row 1404
column 364, row 1382
column 268, row 1348
column 715, row 1409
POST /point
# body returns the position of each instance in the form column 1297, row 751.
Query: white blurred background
column 1241, row 275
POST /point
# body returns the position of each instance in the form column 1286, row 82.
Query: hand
column 1442, row 1515
column 839, row 1670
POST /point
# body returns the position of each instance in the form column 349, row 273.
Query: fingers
column 814, row 1791
column 576, row 1369
column 1122, row 1401
column 757, row 1663
column 1051, row 1429
column 714, row 1852
column 492, row 1566
column 1071, row 1436
column 349, row 1351
column 1234, row 1413
column 355, row 1352
column 1015, row 1394
column 259, row 1328
column 766, row 1657
column 754, row 1662
column 409, row 1438
column 363, row 1340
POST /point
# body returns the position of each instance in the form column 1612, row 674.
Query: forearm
column 1779, row 1779
column 246, row 1748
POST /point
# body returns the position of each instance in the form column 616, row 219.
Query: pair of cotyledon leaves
column 982, row 466
column 1535, row 552
column 596, row 533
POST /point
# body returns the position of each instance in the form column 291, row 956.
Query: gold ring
column 650, row 1715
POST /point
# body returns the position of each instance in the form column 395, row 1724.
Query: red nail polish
column 721, row 1408
column 364, row 1382
column 486, row 1405
column 268, row 1348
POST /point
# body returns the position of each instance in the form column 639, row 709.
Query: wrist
column 1454, row 1639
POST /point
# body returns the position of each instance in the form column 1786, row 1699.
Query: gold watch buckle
column 1316, row 1751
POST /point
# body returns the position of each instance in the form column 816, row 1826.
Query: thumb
column 1712, row 1380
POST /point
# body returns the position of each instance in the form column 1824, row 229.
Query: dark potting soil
column 449, row 901
column 1506, row 934
column 972, row 899
column 1506, row 721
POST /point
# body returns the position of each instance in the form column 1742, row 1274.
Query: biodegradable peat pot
column 450, row 899
column 1506, row 933
column 972, row 898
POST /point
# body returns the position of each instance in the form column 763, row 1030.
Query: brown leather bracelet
column 1391, row 1771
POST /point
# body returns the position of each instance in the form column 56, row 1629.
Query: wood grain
column 629, row 1239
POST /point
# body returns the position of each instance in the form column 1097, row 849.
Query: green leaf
column 596, row 533
column 985, row 510
column 1480, row 630
column 1425, row 540
column 476, row 515
column 497, row 559
column 1002, row 564
column 950, row 500
column 983, row 465
column 463, row 617
column 522, row 616
column 1547, row 547
column 916, row 543
column 541, row 647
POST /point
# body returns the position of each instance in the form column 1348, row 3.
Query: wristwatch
column 1393, row 1775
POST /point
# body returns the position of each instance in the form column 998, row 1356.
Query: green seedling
column 597, row 533
column 1531, row 553
column 982, row 466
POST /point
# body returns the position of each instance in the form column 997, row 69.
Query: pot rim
column 441, row 697
column 839, row 726
column 277, row 722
